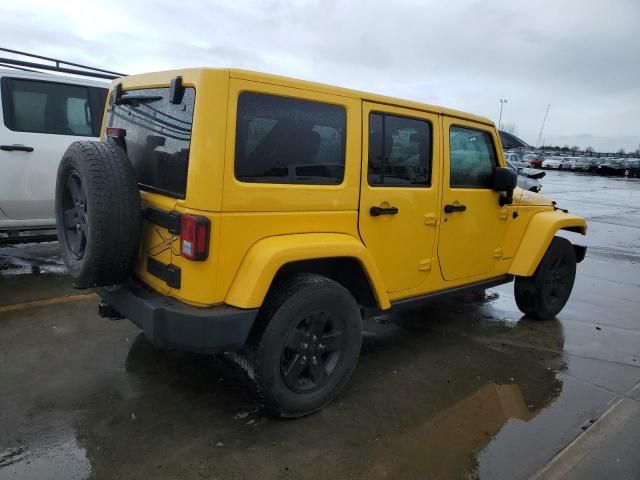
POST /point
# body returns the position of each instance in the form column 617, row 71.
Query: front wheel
column 309, row 347
column 545, row 294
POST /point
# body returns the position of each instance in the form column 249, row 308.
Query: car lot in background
column 581, row 163
column 533, row 159
column 632, row 168
column 614, row 167
column 41, row 115
column 528, row 178
column 516, row 160
column 557, row 163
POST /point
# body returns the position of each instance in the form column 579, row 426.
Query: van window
column 399, row 151
column 47, row 107
column 158, row 137
column 289, row 140
column 473, row 158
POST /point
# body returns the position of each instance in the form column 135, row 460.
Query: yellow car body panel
column 537, row 238
column 266, row 257
column 256, row 228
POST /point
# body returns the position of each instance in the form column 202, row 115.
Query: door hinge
column 424, row 265
column 497, row 253
column 503, row 214
column 430, row 219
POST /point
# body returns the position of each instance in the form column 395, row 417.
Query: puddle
column 47, row 450
column 30, row 259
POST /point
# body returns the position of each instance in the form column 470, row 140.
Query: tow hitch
column 107, row 311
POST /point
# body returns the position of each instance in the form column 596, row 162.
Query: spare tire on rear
column 97, row 213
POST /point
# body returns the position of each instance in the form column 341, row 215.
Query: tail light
column 194, row 237
column 115, row 132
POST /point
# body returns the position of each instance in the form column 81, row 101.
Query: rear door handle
column 16, row 148
column 454, row 208
column 377, row 211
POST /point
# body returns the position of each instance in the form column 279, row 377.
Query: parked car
column 581, row 163
column 266, row 217
column 42, row 114
column 515, row 159
column 632, row 168
column 557, row 163
column 528, row 178
column 533, row 159
column 611, row 167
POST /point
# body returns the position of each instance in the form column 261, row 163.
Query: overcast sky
column 580, row 56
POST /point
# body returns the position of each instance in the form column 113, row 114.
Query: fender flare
column 265, row 257
column 538, row 236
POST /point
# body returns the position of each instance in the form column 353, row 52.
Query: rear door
column 40, row 119
column 474, row 224
column 399, row 194
column 157, row 137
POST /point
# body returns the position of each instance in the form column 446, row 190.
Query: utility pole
column 542, row 126
column 502, row 102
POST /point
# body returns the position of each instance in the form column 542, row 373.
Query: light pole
column 502, row 102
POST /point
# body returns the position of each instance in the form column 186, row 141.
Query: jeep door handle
column 454, row 208
column 16, row 148
column 377, row 211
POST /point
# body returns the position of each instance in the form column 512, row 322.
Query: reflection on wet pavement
column 465, row 388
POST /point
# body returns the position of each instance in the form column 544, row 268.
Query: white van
column 41, row 115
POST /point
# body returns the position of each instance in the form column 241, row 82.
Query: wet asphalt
column 465, row 388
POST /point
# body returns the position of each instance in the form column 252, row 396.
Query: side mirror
column 505, row 180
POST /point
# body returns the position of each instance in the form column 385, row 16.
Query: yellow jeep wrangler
column 232, row 211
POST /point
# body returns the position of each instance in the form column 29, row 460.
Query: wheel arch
column 340, row 257
column 538, row 236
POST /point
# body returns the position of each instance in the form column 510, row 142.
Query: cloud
column 581, row 57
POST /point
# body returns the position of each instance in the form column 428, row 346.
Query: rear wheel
column 307, row 345
column 545, row 293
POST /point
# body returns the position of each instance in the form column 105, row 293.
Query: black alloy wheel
column 74, row 215
column 312, row 351
column 558, row 283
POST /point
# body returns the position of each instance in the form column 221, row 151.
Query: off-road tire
column 289, row 303
column 544, row 295
column 107, row 212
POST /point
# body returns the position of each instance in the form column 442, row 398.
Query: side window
column 46, row 107
column 79, row 115
column 289, row 140
column 399, row 151
column 473, row 158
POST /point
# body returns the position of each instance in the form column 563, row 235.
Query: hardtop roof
column 138, row 81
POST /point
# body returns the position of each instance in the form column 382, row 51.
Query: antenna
column 542, row 126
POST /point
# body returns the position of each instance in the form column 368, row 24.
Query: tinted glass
column 46, row 107
column 288, row 140
column 158, row 136
column 399, row 151
column 473, row 158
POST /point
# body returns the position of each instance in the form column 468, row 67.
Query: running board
column 418, row 302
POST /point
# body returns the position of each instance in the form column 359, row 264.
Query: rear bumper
column 166, row 322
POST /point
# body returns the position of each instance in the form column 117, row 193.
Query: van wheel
column 309, row 346
column 97, row 213
column 545, row 293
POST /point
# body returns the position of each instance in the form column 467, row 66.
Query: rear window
column 37, row 106
column 158, row 137
column 289, row 140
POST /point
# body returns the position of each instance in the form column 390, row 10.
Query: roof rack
column 61, row 66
